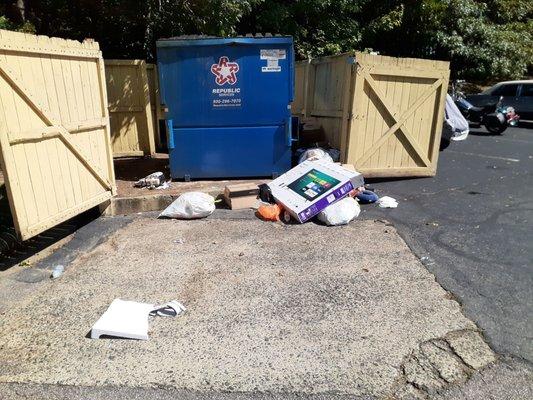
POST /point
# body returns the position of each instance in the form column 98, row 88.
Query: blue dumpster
column 228, row 102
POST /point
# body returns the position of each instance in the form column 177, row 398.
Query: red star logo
column 225, row 71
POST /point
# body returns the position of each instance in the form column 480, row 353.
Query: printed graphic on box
column 313, row 184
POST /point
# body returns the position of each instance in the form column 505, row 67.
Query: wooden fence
column 132, row 107
column 385, row 114
column 155, row 103
column 54, row 129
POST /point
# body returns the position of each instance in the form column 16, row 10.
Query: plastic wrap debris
column 341, row 212
column 57, row 271
column 315, row 155
column 151, row 181
column 164, row 186
column 171, row 309
column 269, row 212
column 387, row 202
column 190, row 205
column 455, row 121
column 334, row 154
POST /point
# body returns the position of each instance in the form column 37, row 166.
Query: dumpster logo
column 225, row 71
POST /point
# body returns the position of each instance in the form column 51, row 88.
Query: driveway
column 471, row 225
column 288, row 310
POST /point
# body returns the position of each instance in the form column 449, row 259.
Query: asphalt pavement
column 471, row 226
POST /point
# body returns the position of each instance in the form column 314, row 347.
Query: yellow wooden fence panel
column 385, row 114
column 155, row 103
column 54, row 129
column 131, row 114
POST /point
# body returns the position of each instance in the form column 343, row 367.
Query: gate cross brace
column 396, row 116
column 44, row 114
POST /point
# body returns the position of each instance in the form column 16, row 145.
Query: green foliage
column 482, row 39
column 26, row 26
column 489, row 39
column 319, row 27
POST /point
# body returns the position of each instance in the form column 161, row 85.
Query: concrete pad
column 271, row 308
column 471, row 348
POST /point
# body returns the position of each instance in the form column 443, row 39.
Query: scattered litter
column 151, row 181
column 125, row 319
column 427, row 260
column 265, row 194
column 164, row 186
column 171, row 309
column 190, row 205
column 315, row 155
column 129, row 319
column 57, row 271
column 334, row 154
column 387, row 202
column 269, row 212
column 312, row 186
column 241, row 196
column 340, row 212
column 367, row 197
column 455, row 120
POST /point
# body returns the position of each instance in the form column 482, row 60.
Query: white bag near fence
column 340, row 212
column 455, row 120
column 190, row 205
column 314, row 155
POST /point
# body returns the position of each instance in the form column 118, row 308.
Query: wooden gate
column 385, row 114
column 54, row 129
column 131, row 114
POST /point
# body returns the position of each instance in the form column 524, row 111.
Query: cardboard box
column 243, row 195
column 311, row 186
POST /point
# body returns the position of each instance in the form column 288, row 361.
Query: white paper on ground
column 387, row 202
column 125, row 319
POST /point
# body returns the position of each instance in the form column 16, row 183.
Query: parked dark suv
column 517, row 94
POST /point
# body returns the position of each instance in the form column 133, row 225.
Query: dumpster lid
column 205, row 40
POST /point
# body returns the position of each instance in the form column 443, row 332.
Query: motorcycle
column 495, row 117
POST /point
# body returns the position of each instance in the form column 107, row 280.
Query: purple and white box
column 311, row 186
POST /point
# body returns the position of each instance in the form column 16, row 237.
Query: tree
column 319, row 27
column 482, row 39
column 489, row 39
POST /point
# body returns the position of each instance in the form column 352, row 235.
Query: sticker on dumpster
column 272, row 57
column 225, row 73
column 273, row 54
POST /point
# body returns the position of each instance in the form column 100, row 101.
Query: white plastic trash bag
column 314, row 155
column 456, row 121
column 190, row 205
column 340, row 212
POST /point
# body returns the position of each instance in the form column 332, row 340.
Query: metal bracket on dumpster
column 170, row 134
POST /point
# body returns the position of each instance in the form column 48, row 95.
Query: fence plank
column 130, row 106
